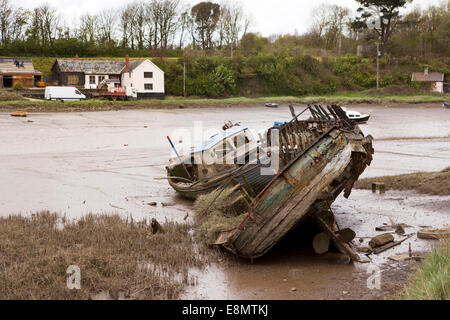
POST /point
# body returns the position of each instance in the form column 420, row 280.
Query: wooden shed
column 14, row 70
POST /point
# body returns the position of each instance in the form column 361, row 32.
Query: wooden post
column 184, row 79
column 374, row 188
column 378, row 65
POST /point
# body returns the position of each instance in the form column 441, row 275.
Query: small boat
column 356, row 116
column 230, row 154
column 19, row 114
column 271, row 105
column 446, row 104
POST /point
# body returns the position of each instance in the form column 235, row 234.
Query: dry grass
column 432, row 280
column 214, row 217
column 117, row 257
column 10, row 96
column 433, row 183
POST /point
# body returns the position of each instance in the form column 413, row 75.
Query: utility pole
column 184, row 79
column 378, row 65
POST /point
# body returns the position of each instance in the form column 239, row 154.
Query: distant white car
column 63, row 94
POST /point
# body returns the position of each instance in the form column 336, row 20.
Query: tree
column 232, row 25
column 206, row 17
column 385, row 11
column 106, row 26
column 87, row 30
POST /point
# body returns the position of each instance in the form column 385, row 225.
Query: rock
column 381, row 240
column 153, row 204
column 293, row 289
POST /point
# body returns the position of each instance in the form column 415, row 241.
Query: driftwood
column 381, row 240
column 434, row 234
column 390, row 245
column 156, row 227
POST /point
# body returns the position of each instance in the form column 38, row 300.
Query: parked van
column 64, row 94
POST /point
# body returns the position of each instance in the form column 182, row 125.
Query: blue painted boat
column 446, row 105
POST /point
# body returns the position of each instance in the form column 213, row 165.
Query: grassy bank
column 432, row 280
column 178, row 102
column 433, row 183
column 117, row 258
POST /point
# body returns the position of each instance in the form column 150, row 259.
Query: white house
column 145, row 77
column 142, row 74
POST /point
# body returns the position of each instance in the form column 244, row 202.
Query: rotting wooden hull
column 251, row 173
column 307, row 186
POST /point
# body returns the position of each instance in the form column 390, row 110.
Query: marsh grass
column 432, row 280
column 217, row 213
column 433, row 183
column 116, row 257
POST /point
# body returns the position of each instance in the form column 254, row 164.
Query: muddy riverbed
column 103, row 162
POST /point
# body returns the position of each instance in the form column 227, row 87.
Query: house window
column 91, row 79
column 148, row 75
column 148, row 86
column 72, row 79
column 101, row 78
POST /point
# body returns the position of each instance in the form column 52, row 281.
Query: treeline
column 170, row 27
column 142, row 27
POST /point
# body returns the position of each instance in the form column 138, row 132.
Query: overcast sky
column 268, row 16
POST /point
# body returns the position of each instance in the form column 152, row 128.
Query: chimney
column 127, row 63
column 426, row 71
column 76, row 56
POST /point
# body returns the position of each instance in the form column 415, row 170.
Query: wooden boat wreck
column 319, row 158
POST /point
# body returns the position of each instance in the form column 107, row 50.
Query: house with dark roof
column 436, row 77
column 140, row 74
column 15, row 70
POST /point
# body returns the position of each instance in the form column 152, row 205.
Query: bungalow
column 15, row 70
column 142, row 74
column 436, row 77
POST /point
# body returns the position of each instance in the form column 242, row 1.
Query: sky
column 268, row 16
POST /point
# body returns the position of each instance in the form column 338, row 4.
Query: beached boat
column 319, row 159
column 231, row 154
column 271, row 105
column 446, row 104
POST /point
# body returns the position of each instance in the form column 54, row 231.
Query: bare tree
column 6, row 14
column 88, row 24
column 319, row 23
column 233, row 24
column 106, row 26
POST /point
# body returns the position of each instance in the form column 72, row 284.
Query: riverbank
column 432, row 183
column 181, row 103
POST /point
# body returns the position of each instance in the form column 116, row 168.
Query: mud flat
column 102, row 162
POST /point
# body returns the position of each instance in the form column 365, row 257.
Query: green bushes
column 18, row 86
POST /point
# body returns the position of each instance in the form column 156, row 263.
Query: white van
column 64, row 94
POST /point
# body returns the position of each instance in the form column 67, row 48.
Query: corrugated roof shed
column 9, row 66
column 431, row 77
